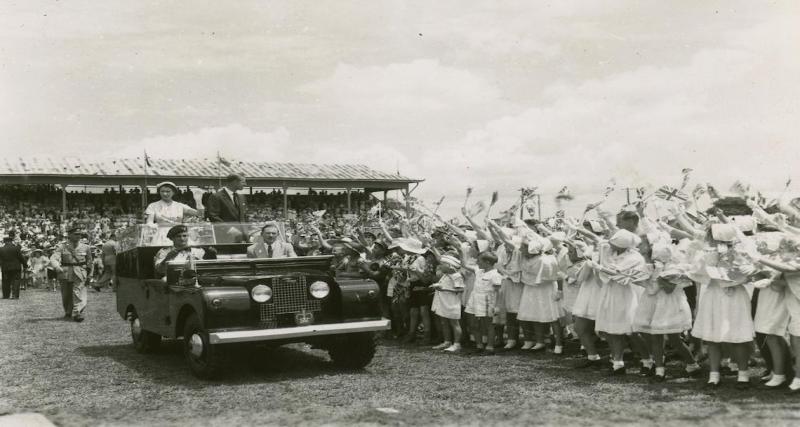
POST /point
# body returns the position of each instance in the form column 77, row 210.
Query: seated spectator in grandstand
column 268, row 245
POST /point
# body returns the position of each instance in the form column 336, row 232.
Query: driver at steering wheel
column 180, row 250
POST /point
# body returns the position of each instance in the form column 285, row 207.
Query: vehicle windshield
column 200, row 234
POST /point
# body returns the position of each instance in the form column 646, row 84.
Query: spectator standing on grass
column 72, row 261
column 109, row 253
column 38, row 266
column 11, row 261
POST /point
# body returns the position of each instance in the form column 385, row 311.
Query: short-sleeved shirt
column 487, row 281
column 184, row 255
column 74, row 261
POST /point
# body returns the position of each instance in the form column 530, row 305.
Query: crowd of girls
column 709, row 286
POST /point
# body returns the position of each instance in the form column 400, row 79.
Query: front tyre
column 143, row 341
column 353, row 351
column 205, row 360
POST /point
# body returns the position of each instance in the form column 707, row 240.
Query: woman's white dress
column 539, row 277
column 617, row 298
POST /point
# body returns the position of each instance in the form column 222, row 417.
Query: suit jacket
column 279, row 250
column 11, row 258
column 220, row 208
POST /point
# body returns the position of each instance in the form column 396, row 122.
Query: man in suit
column 11, row 262
column 227, row 205
column 269, row 246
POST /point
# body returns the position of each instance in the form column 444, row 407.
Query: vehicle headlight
column 261, row 293
column 319, row 290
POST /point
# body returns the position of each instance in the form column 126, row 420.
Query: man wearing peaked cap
column 72, row 261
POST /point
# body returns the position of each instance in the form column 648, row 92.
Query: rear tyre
column 143, row 341
column 353, row 351
column 205, row 360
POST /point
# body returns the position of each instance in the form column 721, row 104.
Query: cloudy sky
column 458, row 93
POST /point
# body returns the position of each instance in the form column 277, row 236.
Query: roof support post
column 63, row 201
column 349, row 209
column 285, row 203
column 144, row 196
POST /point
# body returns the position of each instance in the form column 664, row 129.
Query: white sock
column 648, row 363
column 660, row 371
column 795, row 385
column 593, row 357
column 776, row 380
column 618, row 364
column 558, row 349
column 713, row 377
column 743, row 377
column 734, row 367
column 693, row 367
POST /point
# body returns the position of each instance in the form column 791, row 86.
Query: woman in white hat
column 166, row 212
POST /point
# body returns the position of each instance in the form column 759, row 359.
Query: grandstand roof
column 75, row 171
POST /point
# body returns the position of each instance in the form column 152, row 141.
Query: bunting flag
column 528, row 192
column 564, row 194
column 668, row 193
column 469, row 193
column 592, row 206
column 685, row 172
column 740, row 188
column 612, row 185
column 477, row 208
column 698, row 191
column 712, row 192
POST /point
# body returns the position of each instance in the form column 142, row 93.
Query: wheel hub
column 196, row 345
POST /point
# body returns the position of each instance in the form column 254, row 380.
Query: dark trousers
column 11, row 283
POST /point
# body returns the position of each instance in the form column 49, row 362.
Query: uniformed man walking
column 72, row 261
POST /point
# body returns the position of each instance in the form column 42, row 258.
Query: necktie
column 269, row 251
column 236, row 201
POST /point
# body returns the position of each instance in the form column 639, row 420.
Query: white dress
column 661, row 313
column 723, row 314
column 772, row 315
column 539, row 276
column 617, row 299
column 483, row 299
column 511, row 288
column 448, row 304
column 587, row 300
column 165, row 216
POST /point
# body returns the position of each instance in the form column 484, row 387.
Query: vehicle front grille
column 289, row 295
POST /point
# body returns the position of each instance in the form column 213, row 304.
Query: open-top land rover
column 231, row 301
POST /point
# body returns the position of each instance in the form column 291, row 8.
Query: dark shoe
column 67, row 316
column 97, row 288
column 78, row 319
column 657, row 379
column 780, row 386
column 743, row 385
column 617, row 372
column 487, row 352
column 727, row 372
column 711, row 386
column 647, row 372
column 793, row 392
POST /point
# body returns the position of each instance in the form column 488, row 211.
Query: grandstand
column 205, row 173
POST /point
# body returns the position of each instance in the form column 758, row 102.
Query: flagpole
column 219, row 171
column 144, row 190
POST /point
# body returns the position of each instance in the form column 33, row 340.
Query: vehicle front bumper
column 228, row 337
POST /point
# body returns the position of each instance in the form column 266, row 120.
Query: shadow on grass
column 244, row 364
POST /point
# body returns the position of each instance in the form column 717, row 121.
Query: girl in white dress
column 539, row 305
column 663, row 309
column 619, row 265
column 511, row 288
column 723, row 309
column 447, row 302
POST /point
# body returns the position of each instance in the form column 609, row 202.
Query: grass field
column 89, row 374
